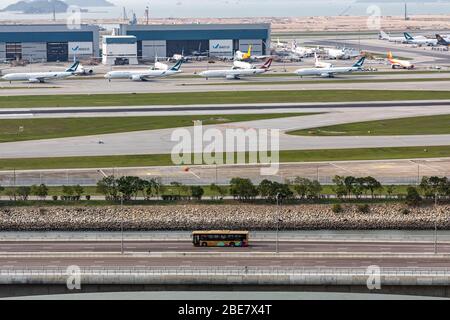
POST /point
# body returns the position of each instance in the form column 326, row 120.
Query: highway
column 186, row 246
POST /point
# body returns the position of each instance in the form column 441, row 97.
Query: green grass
column 222, row 97
column 439, row 124
column 34, row 129
column 285, row 156
column 325, row 81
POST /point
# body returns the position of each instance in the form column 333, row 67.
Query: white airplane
column 301, row 51
column 336, row 53
column 384, row 36
column 243, row 65
column 41, row 77
column 247, row 56
column 144, row 75
column 331, row 71
column 420, row 40
column 82, row 71
column 320, row 64
column 159, row 65
column 232, row 74
column 397, row 63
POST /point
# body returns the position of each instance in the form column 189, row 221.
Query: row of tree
column 127, row 188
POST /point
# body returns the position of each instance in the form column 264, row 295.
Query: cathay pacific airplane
column 232, row 74
column 41, row 77
column 144, row 75
column 330, row 71
column 420, row 40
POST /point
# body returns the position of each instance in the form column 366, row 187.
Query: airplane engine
column 326, row 75
column 231, row 77
column 136, row 78
column 34, row 81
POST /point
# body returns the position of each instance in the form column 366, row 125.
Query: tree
column 40, row 191
column 78, row 191
column 390, row 190
column 197, row 192
column 108, row 187
column 217, row 191
column 128, row 186
column 314, row 189
column 301, row 186
column 339, row 188
column 271, row 190
column 243, row 189
column 23, row 192
column 373, row 185
column 413, row 197
column 67, row 192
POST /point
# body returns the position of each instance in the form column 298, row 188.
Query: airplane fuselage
column 231, row 73
column 139, row 75
column 36, row 77
column 325, row 72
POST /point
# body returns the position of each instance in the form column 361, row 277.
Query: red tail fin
column 267, row 64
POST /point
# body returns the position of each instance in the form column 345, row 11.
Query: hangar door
column 57, row 51
column 150, row 49
column 257, row 46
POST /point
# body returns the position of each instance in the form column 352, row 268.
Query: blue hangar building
column 48, row 43
column 213, row 39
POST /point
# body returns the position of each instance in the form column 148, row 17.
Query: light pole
column 278, row 223
column 435, row 224
column 121, row 225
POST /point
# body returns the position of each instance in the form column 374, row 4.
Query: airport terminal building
column 219, row 40
column 48, row 43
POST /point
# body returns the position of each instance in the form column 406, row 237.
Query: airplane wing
column 36, row 79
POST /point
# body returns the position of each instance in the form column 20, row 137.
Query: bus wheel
column 232, row 244
column 204, row 244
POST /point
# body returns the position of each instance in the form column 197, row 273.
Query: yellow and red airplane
column 397, row 63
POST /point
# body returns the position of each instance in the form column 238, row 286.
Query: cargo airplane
column 144, row 75
column 399, row 64
column 330, row 71
column 232, row 74
column 41, row 77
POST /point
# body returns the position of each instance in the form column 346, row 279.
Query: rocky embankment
column 252, row 217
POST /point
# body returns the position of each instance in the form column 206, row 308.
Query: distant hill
column 38, row 6
column 47, row 6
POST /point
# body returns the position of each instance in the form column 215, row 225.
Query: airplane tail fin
column 249, row 52
column 359, row 63
column 389, row 55
column 383, row 35
column 408, row 36
column 73, row 67
column 316, row 59
column 177, row 66
column 267, row 64
column 441, row 40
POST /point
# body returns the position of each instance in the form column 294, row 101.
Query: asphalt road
column 187, row 247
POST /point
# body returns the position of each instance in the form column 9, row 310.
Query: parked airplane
column 232, row 74
column 384, row 36
column 41, row 77
column 420, row 40
column 320, row 64
column 397, row 63
column 144, row 75
column 243, row 56
column 442, row 41
column 243, row 65
column 336, row 53
column 82, row 71
column 301, row 51
column 331, row 71
column 159, row 65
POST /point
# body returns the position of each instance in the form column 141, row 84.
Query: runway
column 161, row 142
